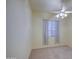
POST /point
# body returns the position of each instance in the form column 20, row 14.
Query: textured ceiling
column 50, row 5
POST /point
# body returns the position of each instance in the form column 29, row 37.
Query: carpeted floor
column 52, row 53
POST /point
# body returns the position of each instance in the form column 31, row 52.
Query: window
column 53, row 28
column 50, row 29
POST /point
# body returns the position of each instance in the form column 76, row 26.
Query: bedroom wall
column 67, row 22
column 18, row 29
column 37, row 41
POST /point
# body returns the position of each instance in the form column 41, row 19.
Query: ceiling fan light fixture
column 58, row 16
column 65, row 15
column 61, row 14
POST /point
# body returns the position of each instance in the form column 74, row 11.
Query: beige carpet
column 52, row 53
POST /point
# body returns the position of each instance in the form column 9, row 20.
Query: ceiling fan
column 62, row 12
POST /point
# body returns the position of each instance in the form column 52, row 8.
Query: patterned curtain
column 55, row 32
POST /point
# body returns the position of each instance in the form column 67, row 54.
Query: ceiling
column 50, row 5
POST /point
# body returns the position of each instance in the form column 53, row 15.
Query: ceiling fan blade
column 68, row 11
column 55, row 12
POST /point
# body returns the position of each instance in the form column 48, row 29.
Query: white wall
column 67, row 30
column 18, row 37
column 37, row 41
